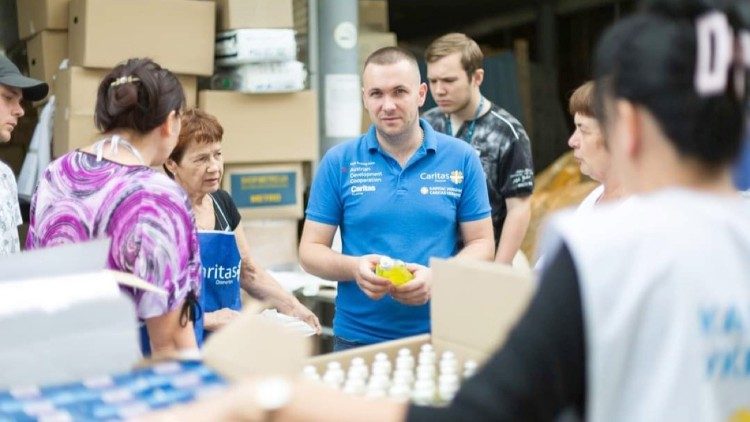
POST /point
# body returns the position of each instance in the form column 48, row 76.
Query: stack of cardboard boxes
column 373, row 35
column 96, row 35
column 270, row 140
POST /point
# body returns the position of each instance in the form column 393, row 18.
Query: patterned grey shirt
column 505, row 151
column 10, row 212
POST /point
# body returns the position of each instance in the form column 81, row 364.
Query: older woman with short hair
column 197, row 165
column 590, row 148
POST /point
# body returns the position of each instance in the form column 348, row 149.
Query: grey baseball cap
column 32, row 89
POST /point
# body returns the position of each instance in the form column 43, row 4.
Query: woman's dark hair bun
column 137, row 95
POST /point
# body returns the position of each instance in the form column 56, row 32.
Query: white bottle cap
column 333, row 365
column 309, row 370
column 379, row 381
column 357, row 372
column 404, row 352
column 358, row 361
column 402, row 376
column 400, row 392
column 426, row 347
column 375, row 394
column 405, row 362
column 448, row 379
column 381, row 370
column 448, row 355
column 332, row 379
column 386, row 262
column 450, row 369
column 380, row 357
column 447, row 365
column 447, row 395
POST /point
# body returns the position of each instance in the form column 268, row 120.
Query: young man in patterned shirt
column 454, row 72
column 14, row 87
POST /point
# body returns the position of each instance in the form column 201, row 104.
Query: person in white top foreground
column 643, row 313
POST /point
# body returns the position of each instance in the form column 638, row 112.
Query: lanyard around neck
column 470, row 131
column 116, row 141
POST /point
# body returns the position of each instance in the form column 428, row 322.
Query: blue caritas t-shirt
column 411, row 214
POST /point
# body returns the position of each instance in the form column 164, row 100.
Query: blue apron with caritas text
column 221, row 263
column 220, row 259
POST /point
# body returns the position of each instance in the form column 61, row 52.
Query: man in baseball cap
column 10, row 76
column 14, row 87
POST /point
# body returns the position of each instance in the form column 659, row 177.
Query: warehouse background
column 536, row 53
column 543, row 37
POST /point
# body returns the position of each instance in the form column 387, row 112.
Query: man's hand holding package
column 374, row 286
column 418, row 290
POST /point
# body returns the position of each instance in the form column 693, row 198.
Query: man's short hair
column 582, row 100
column 471, row 54
column 390, row 55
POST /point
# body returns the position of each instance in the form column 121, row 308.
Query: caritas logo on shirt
column 456, row 177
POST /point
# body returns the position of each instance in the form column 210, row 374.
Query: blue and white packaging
column 262, row 78
column 242, row 46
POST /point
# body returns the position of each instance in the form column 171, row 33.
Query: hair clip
column 124, row 80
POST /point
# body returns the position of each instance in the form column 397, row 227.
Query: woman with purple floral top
column 109, row 189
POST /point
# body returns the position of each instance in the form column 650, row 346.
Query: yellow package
column 394, row 270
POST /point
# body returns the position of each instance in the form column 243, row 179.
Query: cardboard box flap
column 479, row 285
column 57, row 261
column 252, row 345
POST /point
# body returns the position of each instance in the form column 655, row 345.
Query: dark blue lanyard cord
column 470, row 131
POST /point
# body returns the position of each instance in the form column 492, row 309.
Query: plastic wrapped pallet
column 262, row 77
column 242, row 46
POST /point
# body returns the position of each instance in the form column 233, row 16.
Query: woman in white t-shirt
column 589, row 148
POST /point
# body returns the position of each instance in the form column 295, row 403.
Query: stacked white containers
column 255, row 59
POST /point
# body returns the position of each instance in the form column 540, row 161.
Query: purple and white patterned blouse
column 146, row 214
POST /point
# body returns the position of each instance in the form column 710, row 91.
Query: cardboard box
column 37, row 15
column 266, row 190
column 49, row 295
column 274, row 243
column 373, row 15
column 265, row 128
column 47, row 299
column 275, row 349
column 75, row 90
column 240, row 14
column 177, row 34
column 45, row 51
column 71, row 131
column 474, row 306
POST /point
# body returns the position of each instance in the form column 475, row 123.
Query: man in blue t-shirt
column 401, row 190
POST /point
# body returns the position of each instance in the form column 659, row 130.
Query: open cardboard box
column 474, row 306
column 63, row 317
